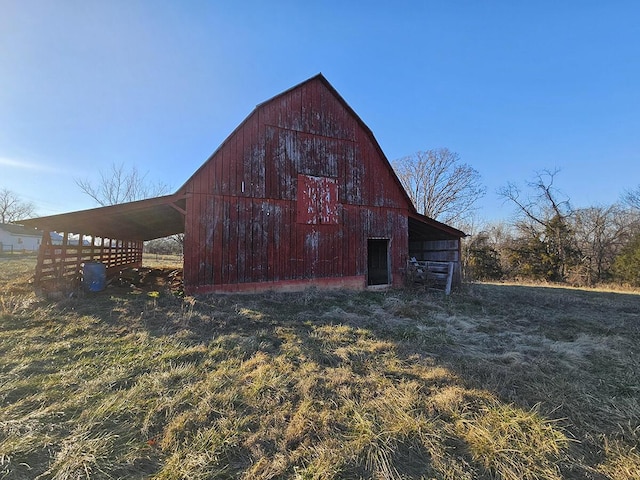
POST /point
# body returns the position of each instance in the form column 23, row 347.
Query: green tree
column 542, row 253
column 482, row 259
column 527, row 257
column 626, row 266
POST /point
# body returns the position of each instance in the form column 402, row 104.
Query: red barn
column 299, row 194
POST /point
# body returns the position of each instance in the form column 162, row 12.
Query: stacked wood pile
column 149, row 279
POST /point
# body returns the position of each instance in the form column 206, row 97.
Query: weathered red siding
column 245, row 225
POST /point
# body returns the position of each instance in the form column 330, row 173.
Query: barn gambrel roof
column 321, row 78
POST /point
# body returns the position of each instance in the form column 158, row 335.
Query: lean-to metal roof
column 421, row 226
column 141, row 220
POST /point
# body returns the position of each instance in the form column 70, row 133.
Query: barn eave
column 141, row 220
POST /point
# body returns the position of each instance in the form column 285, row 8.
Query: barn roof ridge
column 319, row 76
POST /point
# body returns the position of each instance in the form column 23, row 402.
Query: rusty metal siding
column 244, row 223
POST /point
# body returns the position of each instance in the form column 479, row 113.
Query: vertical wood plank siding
column 243, row 223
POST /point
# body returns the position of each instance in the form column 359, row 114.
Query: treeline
column 172, row 245
column 550, row 241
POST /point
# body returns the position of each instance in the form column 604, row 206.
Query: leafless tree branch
column 119, row 185
column 12, row 209
column 632, row 198
column 439, row 185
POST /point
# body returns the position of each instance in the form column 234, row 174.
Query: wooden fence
column 438, row 251
column 63, row 263
column 437, row 275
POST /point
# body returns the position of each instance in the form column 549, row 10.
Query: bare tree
column 546, row 201
column 439, row 184
column 632, row 198
column 601, row 233
column 12, row 208
column 546, row 235
column 119, row 185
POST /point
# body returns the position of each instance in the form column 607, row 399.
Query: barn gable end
column 300, row 193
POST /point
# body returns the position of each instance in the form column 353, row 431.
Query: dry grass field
column 493, row 382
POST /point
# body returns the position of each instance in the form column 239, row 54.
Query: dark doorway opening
column 378, row 261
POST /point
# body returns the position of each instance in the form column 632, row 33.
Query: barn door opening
column 378, row 262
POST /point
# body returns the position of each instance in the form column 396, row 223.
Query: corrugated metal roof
column 423, row 226
column 141, row 220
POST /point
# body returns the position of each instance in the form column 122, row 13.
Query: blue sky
column 512, row 87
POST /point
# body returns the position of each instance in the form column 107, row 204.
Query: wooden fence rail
column 63, row 263
column 432, row 274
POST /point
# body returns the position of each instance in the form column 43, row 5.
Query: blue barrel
column 94, row 276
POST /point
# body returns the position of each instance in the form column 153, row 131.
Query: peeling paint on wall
column 317, row 200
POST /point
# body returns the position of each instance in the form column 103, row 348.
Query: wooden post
column 458, row 279
column 140, row 252
column 44, row 245
column 63, row 255
column 447, row 289
column 79, row 253
column 93, row 247
column 102, row 247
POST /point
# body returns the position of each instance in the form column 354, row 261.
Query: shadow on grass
column 494, row 381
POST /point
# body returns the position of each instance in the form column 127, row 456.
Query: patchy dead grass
column 156, row 260
column 494, row 382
